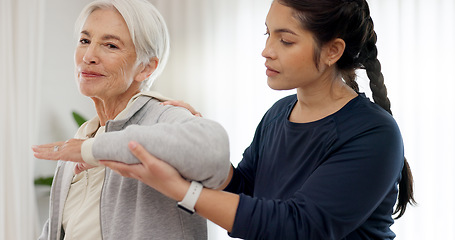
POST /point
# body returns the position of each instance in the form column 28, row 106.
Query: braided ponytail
column 369, row 61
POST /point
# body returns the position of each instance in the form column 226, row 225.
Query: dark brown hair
column 350, row 20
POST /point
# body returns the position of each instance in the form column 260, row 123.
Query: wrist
column 182, row 190
column 190, row 198
column 87, row 154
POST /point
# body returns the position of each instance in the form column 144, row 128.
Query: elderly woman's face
column 105, row 56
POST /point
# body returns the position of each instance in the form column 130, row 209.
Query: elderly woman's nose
column 90, row 55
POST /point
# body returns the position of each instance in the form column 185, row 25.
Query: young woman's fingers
column 154, row 170
column 177, row 103
column 131, row 171
column 141, row 153
column 183, row 104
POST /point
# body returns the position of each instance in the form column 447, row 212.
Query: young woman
column 326, row 163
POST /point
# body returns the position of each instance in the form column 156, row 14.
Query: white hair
column 147, row 30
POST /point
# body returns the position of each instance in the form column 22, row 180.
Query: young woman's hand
column 151, row 171
column 183, row 104
column 218, row 206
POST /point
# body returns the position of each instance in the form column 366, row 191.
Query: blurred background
column 216, row 66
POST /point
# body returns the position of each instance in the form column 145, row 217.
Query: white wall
column 59, row 94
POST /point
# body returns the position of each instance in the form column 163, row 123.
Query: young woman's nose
column 268, row 50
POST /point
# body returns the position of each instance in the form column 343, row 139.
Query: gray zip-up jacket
column 129, row 209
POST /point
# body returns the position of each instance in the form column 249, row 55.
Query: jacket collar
column 135, row 104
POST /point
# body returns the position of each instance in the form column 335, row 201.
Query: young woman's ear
column 145, row 70
column 333, row 51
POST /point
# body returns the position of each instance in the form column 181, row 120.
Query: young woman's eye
column 286, row 43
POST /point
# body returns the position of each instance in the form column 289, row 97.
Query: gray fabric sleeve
column 198, row 148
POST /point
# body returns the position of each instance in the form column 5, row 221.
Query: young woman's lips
column 270, row 72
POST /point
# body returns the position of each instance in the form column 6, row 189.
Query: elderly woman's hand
column 151, row 171
column 65, row 151
column 80, row 167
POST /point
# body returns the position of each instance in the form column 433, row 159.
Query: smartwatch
column 190, row 199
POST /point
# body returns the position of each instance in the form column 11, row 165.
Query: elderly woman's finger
column 49, row 147
column 82, row 166
column 67, row 151
column 50, row 144
column 47, row 155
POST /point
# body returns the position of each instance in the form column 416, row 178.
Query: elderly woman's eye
column 112, row 46
column 84, row 41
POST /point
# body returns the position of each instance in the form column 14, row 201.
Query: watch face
column 185, row 209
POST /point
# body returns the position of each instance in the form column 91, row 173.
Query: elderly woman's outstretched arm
column 197, row 147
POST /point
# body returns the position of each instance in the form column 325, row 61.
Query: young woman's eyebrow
column 284, row 30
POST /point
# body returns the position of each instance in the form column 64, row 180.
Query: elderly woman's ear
column 146, row 69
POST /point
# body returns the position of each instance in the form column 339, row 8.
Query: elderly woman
column 123, row 46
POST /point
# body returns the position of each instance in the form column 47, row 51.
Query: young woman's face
column 105, row 56
column 289, row 51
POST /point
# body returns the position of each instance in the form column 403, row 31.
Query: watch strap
column 191, row 197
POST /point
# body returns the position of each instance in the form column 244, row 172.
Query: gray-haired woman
column 123, row 46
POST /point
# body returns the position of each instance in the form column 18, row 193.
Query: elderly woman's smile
column 90, row 74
